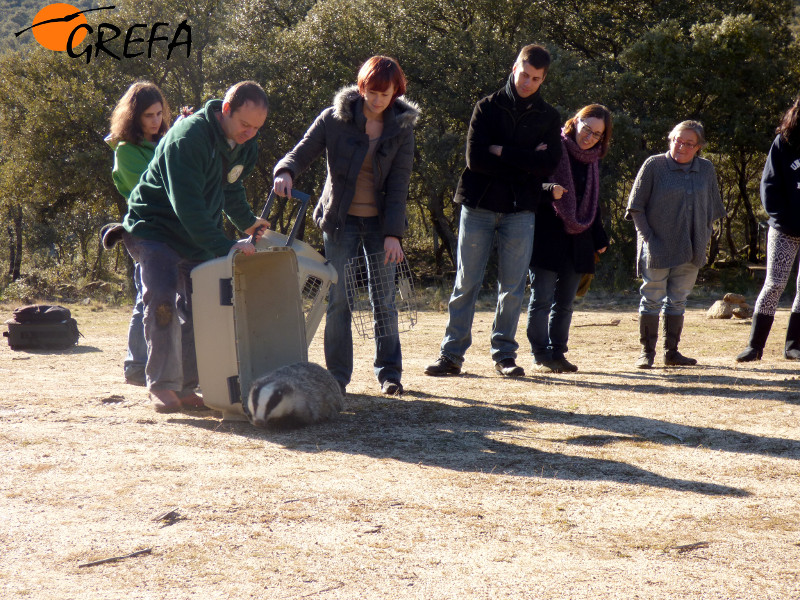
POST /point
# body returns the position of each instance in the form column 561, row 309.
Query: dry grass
column 609, row 483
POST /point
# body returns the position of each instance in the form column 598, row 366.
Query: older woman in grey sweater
column 674, row 203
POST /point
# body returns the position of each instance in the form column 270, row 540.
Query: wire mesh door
column 381, row 295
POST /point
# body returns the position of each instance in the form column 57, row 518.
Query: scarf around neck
column 577, row 219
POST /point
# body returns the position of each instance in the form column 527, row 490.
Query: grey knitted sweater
column 679, row 209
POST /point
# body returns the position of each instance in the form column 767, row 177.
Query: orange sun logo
column 53, row 24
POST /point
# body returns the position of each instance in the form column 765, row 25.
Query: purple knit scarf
column 577, row 219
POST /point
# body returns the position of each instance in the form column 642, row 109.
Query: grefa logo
column 61, row 27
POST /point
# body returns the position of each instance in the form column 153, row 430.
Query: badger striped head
column 271, row 402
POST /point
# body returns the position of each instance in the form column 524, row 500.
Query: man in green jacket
column 174, row 222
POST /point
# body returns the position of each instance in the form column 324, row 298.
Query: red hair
column 380, row 72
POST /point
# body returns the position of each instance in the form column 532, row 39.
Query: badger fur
column 293, row 396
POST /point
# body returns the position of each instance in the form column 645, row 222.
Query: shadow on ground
column 484, row 438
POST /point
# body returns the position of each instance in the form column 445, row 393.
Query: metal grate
column 381, row 296
column 311, row 293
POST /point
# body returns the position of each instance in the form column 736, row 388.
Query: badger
column 293, row 396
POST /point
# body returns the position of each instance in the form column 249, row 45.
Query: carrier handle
column 302, row 198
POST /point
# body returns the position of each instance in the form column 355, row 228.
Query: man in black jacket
column 512, row 146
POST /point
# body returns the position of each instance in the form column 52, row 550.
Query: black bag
column 42, row 326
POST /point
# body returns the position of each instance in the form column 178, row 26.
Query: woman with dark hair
column 368, row 138
column 140, row 119
column 674, row 204
column 780, row 196
column 568, row 233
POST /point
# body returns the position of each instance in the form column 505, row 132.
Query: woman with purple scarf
column 569, row 231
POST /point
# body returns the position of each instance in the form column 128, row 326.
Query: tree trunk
column 15, row 241
column 442, row 227
column 727, row 224
column 751, row 225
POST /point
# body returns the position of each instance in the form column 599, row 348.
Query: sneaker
column 566, row 366
column 509, row 368
column 343, row 388
column 548, row 365
column 442, row 366
column 135, row 376
column 392, row 387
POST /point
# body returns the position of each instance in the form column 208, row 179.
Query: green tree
column 735, row 75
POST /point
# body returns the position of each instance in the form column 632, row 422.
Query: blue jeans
column 167, row 315
column 361, row 235
column 136, row 358
column 514, row 244
column 550, row 310
column 667, row 289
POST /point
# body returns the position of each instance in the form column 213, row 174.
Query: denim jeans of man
column 136, row 358
column 361, row 235
column 666, row 290
column 550, row 310
column 167, row 315
column 477, row 229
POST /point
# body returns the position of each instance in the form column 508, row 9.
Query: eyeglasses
column 582, row 125
column 688, row 145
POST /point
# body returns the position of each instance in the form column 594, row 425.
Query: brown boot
column 673, row 325
column 648, row 336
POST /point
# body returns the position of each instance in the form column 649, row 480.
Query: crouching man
column 174, row 222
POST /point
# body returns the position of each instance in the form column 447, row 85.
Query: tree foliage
column 731, row 64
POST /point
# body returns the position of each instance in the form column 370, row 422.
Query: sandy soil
column 609, row 483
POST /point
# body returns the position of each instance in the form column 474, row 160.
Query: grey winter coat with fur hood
column 340, row 132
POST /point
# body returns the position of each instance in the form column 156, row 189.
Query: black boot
column 673, row 325
column 759, row 333
column 792, row 349
column 648, row 336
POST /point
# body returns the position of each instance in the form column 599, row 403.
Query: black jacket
column 553, row 247
column 513, row 181
column 780, row 187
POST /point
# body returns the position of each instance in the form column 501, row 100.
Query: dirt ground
column 609, row 483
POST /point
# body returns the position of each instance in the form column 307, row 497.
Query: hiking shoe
column 566, row 366
column 548, row 365
column 645, row 360
column 442, row 366
column 673, row 358
column 392, row 387
column 509, row 368
column 134, row 375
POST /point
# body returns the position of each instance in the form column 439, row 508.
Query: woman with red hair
column 368, row 139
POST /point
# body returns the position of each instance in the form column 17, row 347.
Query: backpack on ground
column 41, row 326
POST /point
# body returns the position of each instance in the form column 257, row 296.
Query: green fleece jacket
column 130, row 161
column 193, row 178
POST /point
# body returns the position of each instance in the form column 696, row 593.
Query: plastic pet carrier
column 315, row 274
column 254, row 314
